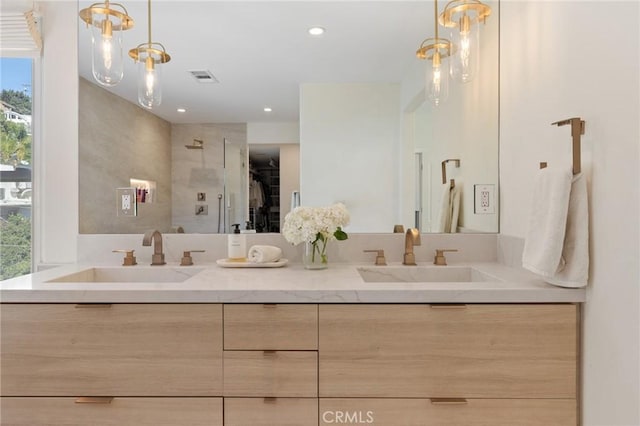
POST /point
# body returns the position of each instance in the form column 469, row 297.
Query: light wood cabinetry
column 50, row 411
column 288, row 364
column 448, row 412
column 271, row 365
column 111, row 350
column 472, row 351
column 270, row 412
column 271, row 373
column 270, row 327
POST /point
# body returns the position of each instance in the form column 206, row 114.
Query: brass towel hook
column 577, row 129
column 444, row 168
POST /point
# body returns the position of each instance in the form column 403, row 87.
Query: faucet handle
column 186, row 257
column 439, row 259
column 129, row 258
column 380, row 260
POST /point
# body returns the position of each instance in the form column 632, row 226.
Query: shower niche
column 145, row 190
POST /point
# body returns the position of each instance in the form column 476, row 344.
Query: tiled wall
column 119, row 141
column 202, row 170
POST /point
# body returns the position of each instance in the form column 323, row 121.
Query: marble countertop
column 340, row 283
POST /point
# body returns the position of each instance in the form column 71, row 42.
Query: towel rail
column 444, row 169
column 577, row 129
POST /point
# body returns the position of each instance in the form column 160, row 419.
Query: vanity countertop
column 340, row 283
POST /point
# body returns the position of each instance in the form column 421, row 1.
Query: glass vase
column 315, row 255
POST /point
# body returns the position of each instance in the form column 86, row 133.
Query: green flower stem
column 321, row 251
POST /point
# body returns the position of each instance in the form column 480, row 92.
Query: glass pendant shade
column 463, row 17
column 107, row 22
column 149, row 56
column 149, row 80
column 435, row 51
column 106, row 53
column 465, row 61
column 437, row 79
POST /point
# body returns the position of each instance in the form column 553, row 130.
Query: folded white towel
column 575, row 252
column 454, row 205
column 547, row 222
column 264, row 254
column 444, row 213
column 449, row 209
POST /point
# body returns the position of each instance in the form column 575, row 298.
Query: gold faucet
column 156, row 237
column 439, row 258
column 412, row 238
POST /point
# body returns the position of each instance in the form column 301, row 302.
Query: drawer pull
column 269, row 305
column 270, row 400
column 94, row 400
column 448, row 401
column 269, row 353
column 93, row 305
column 449, row 306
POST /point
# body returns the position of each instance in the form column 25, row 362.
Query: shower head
column 197, row 144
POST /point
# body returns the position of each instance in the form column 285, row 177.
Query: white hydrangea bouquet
column 316, row 226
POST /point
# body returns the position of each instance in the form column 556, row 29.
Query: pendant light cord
column 149, row 19
column 435, row 17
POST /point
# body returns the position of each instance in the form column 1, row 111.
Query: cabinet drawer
column 107, row 350
column 271, row 411
column 117, row 412
column 271, row 373
column 472, row 412
column 270, row 327
column 474, row 351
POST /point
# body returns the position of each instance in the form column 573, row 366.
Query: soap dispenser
column 236, row 245
column 248, row 229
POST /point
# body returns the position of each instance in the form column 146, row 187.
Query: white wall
column 566, row 59
column 349, row 141
column 273, row 133
column 56, row 153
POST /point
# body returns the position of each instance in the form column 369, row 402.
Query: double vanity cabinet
column 192, row 364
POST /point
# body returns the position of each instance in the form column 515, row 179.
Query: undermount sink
column 130, row 274
column 421, row 274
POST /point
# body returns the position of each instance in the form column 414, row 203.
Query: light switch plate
column 484, row 199
column 126, row 202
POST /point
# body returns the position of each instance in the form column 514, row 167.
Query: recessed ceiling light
column 267, row 109
column 316, row 31
column 182, row 110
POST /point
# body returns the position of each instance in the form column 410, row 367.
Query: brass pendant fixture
column 436, row 50
column 107, row 21
column 463, row 18
column 149, row 56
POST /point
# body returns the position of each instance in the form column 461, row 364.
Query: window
column 16, row 75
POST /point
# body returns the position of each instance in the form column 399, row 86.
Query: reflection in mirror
column 358, row 114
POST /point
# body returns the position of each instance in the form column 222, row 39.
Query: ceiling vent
column 203, row 76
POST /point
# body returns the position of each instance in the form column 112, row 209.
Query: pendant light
column 107, row 21
column 463, row 18
column 436, row 50
column 149, row 57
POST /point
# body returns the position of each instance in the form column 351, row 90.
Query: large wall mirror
column 348, row 121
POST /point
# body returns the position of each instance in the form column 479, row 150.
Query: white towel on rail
column 454, row 205
column 575, row 252
column 444, row 215
column 557, row 242
column 547, row 221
